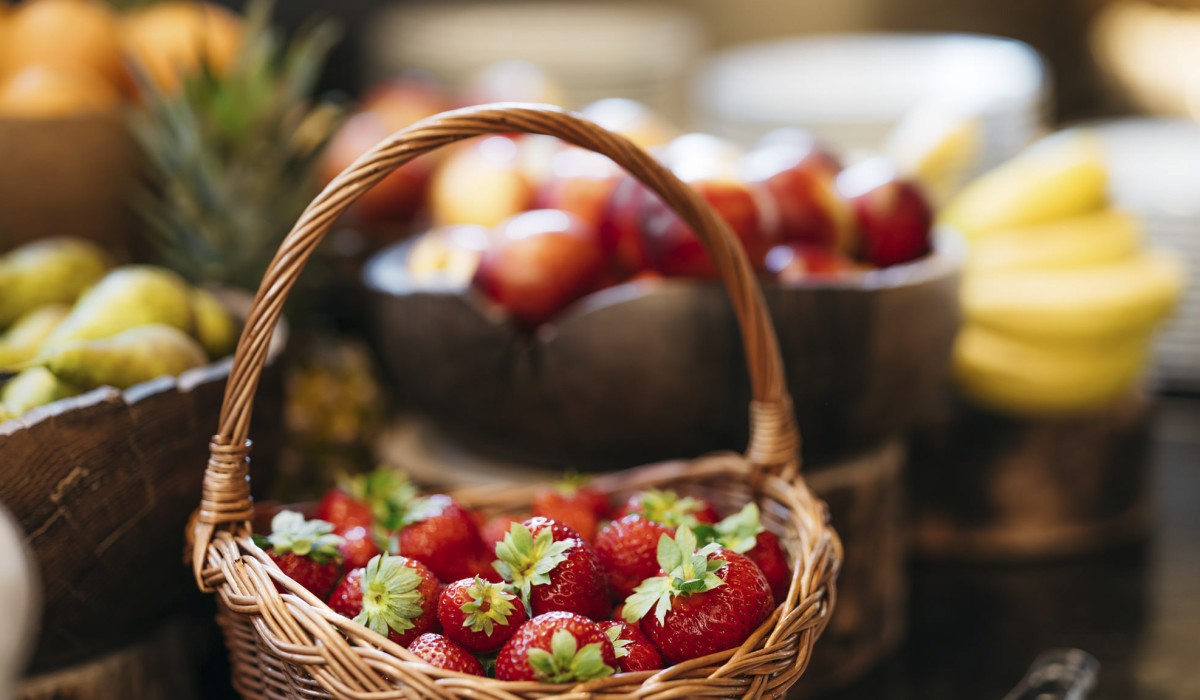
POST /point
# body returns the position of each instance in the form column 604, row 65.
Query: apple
column 579, row 182
column 483, row 182
column 894, row 218
column 618, row 228
column 448, row 255
column 800, row 177
column 386, row 109
column 708, row 165
column 633, row 120
column 539, row 262
column 794, row 263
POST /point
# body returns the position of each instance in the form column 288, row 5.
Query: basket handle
column 774, row 438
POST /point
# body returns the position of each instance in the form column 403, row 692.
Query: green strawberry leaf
column 619, row 645
column 689, row 570
column 566, row 663
column 390, row 599
column 524, row 561
column 490, row 605
column 669, row 508
column 739, row 532
column 290, row 532
column 652, row 594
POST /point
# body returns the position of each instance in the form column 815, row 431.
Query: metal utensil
column 1058, row 674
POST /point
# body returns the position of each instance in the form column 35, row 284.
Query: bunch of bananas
column 1060, row 299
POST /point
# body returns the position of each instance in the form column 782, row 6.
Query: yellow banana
column 1101, row 302
column 1106, row 236
column 1060, row 177
column 1031, row 379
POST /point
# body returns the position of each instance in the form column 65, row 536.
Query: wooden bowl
column 622, row 377
column 103, row 483
column 67, row 176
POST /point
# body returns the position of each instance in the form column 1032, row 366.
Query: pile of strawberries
column 564, row 595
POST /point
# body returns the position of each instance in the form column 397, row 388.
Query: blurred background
column 987, row 298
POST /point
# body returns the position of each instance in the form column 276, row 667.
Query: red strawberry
column 557, row 647
column 305, row 550
column 494, row 530
column 573, row 503
column 394, row 596
column 479, row 615
column 343, row 510
column 359, row 546
column 627, row 549
column 669, row 508
column 618, row 613
column 743, row 533
column 553, row 569
column 634, row 651
column 444, row 536
column 438, row 651
column 703, row 601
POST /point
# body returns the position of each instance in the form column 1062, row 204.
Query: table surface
column 974, row 630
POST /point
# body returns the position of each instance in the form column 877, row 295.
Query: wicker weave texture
column 292, row 645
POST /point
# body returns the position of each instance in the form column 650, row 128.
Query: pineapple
column 232, row 158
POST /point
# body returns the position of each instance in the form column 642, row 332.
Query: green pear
column 127, row 297
column 130, row 357
column 50, row 271
column 212, row 325
column 34, row 387
column 25, row 337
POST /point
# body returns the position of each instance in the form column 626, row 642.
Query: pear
column 212, row 325
column 50, row 271
column 123, row 360
column 34, row 387
column 25, row 337
column 127, row 297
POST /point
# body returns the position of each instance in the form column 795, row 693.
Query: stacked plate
column 1155, row 174
column 854, row 89
column 593, row 49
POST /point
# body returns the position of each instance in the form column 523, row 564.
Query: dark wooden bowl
column 641, row 371
column 68, row 174
column 103, row 484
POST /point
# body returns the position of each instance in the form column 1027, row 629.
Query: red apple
column 483, row 182
column 894, row 218
column 388, row 108
column 539, row 262
column 618, row 229
column 794, row 263
column 579, row 182
column 800, row 176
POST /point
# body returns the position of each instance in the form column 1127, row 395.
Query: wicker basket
column 292, row 645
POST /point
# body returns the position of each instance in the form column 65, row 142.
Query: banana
column 1097, row 303
column 1059, row 177
column 1106, row 236
column 1011, row 376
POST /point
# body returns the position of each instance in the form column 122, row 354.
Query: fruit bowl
column 866, row 356
column 98, row 485
column 71, row 173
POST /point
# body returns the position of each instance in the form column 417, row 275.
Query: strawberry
column 436, row 650
column 557, row 647
column 670, row 509
column 444, row 536
column 573, row 503
column 479, row 615
column 343, row 510
column 633, row 650
column 551, row 568
column 703, row 601
column 306, row 550
column 359, row 546
column 496, row 527
column 627, row 549
column 744, row 533
column 394, row 596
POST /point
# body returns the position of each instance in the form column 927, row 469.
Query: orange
column 42, row 91
column 67, row 34
column 170, row 39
